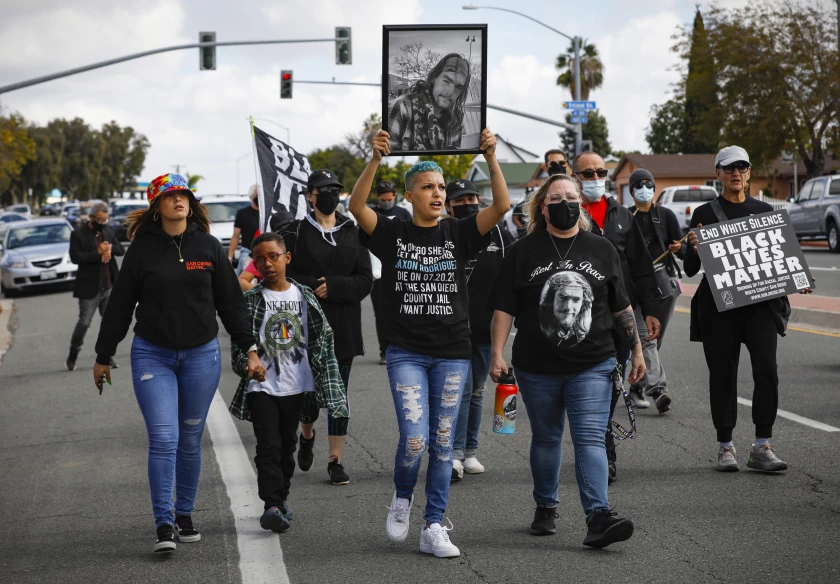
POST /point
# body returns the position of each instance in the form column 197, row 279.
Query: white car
column 8, row 219
column 22, row 209
column 682, row 200
column 222, row 210
column 34, row 254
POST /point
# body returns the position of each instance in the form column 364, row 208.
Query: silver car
column 34, row 254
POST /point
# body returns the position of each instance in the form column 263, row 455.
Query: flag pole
column 260, row 193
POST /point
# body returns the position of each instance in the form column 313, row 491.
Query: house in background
column 519, row 166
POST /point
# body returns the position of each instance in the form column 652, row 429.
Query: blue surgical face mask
column 643, row 195
column 386, row 205
column 593, row 190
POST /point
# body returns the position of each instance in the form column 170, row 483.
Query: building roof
column 516, row 173
column 670, row 165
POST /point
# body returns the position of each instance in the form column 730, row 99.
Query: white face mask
column 593, row 190
column 643, row 195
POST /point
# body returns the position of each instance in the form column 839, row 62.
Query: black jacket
column 481, row 277
column 176, row 301
column 667, row 229
column 400, row 213
column 83, row 252
column 346, row 267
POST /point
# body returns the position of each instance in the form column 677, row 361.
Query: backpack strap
column 718, row 211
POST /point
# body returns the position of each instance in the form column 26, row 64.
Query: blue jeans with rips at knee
column 427, row 394
column 472, row 402
column 174, row 390
column 585, row 398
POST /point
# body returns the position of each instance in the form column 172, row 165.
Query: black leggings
column 309, row 413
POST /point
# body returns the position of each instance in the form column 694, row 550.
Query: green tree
column 192, row 181
column 453, row 165
column 666, row 133
column 341, row 160
column 702, row 122
column 594, row 129
column 16, row 149
column 591, row 70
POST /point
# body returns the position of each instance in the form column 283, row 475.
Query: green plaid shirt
column 329, row 391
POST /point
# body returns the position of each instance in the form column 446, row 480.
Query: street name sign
column 580, row 105
column 579, row 120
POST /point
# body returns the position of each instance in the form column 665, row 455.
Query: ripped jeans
column 174, row 390
column 427, row 394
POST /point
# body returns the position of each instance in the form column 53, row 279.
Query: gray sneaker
column 763, row 458
column 638, row 399
column 726, row 459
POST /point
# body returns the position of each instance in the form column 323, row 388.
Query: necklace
column 431, row 234
column 180, row 257
column 563, row 257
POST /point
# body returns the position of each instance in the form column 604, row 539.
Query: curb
column 6, row 316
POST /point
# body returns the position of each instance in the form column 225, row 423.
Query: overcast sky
column 197, row 119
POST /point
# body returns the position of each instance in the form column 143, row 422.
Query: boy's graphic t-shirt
column 283, row 346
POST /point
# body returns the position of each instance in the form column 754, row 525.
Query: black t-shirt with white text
column 248, row 221
column 562, row 307
column 424, row 287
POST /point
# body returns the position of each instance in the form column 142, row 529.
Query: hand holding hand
column 103, row 248
column 254, row 368
column 488, row 142
column 381, row 145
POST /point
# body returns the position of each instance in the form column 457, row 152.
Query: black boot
column 605, row 527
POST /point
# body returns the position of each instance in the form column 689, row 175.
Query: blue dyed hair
column 422, row 166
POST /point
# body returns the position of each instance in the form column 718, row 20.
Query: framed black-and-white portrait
column 434, row 87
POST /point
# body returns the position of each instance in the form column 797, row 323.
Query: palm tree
column 192, row 181
column 591, row 70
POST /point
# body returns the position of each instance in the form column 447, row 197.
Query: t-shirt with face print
column 424, row 288
column 562, row 307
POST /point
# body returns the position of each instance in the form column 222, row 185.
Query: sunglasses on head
column 269, row 257
column 742, row 167
column 643, row 183
column 331, row 190
column 588, row 174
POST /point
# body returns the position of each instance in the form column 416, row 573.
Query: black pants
column 376, row 299
column 275, row 421
column 723, row 333
column 309, row 412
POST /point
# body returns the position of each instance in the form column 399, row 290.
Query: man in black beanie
column 662, row 233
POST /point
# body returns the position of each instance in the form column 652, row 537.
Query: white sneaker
column 398, row 515
column 638, row 399
column 472, row 466
column 435, row 540
column 457, row 470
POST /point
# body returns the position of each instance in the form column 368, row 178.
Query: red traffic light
column 287, row 76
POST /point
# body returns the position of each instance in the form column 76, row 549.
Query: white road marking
column 795, row 418
column 260, row 556
column 821, row 269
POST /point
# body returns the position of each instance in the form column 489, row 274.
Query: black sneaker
column 305, row 454
column 187, row 533
column 114, row 364
column 337, row 474
column 165, row 539
column 70, row 363
column 274, row 520
column 605, row 528
column 663, row 403
column 543, row 523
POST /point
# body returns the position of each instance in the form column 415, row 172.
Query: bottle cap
column 507, row 378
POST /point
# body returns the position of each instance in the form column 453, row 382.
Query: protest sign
column 752, row 259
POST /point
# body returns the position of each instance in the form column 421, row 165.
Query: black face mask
column 563, row 215
column 464, row 211
column 326, row 202
column 96, row 226
column 556, row 167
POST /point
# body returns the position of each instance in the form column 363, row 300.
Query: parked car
column 222, row 210
column 22, row 209
column 815, row 212
column 35, row 254
column 71, row 214
column 7, row 219
column 51, row 210
column 120, row 208
column 682, row 200
column 84, row 211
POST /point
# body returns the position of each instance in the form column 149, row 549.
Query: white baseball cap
column 731, row 154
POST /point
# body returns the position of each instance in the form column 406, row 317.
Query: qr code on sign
column 800, row 280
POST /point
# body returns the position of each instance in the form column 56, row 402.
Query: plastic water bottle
column 504, row 414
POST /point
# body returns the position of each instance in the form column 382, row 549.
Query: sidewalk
column 820, row 312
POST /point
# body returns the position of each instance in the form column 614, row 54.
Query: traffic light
column 343, row 49
column 286, row 84
column 207, row 55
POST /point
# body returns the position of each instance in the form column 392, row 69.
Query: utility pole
column 177, row 168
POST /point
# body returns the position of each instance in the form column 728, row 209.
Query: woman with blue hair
column 424, row 298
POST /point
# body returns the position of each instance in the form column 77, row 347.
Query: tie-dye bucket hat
column 165, row 183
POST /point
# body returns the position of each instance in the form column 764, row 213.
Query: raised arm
column 487, row 218
column 365, row 216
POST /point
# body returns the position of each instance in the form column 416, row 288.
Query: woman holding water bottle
column 563, row 286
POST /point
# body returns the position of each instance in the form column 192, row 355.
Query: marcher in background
column 94, row 248
column 328, row 258
column 179, row 278
column 386, row 205
column 555, row 162
column 755, row 325
column 563, row 285
column 462, row 201
column 429, row 333
column 617, row 224
column 662, row 233
column 296, row 349
column 246, row 224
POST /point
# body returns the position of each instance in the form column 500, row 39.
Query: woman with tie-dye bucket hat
column 179, row 278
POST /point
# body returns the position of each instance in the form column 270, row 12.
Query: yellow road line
column 790, row 328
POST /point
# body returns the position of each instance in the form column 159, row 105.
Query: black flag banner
column 752, row 259
column 282, row 172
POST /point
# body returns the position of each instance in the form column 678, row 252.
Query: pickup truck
column 682, row 200
column 815, row 213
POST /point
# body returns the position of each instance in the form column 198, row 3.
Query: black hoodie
column 176, row 301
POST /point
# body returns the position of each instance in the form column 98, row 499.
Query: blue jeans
column 244, row 260
column 472, row 400
column 427, row 393
column 585, row 398
column 174, row 390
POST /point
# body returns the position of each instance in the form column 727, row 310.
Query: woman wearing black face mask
column 563, row 286
column 327, row 257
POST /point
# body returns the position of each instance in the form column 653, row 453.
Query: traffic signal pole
column 109, row 62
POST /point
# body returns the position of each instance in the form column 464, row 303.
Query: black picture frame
column 395, row 86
